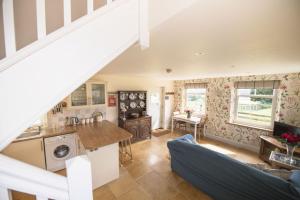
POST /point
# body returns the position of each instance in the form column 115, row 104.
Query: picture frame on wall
column 112, row 100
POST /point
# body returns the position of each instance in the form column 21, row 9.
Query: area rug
column 160, row 132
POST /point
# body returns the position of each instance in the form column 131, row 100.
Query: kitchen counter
column 100, row 143
column 92, row 136
column 101, row 134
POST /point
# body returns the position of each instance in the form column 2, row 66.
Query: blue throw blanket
column 224, row 178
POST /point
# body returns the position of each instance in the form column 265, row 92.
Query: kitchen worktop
column 92, row 136
column 101, row 134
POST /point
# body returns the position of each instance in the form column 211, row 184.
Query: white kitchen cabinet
column 92, row 93
column 105, row 164
column 28, row 151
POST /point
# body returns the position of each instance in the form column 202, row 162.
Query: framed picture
column 112, row 100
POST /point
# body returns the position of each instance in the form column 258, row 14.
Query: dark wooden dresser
column 140, row 127
column 132, row 114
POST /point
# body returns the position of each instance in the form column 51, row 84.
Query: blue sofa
column 224, row 178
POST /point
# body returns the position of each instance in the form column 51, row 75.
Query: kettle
column 74, row 121
column 99, row 118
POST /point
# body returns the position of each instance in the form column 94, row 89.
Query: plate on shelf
column 122, row 106
column 123, row 96
column 132, row 96
column 142, row 96
column 133, row 104
column 142, row 104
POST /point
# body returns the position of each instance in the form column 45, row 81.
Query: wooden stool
column 125, row 151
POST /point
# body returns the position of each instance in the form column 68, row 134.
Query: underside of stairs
column 36, row 78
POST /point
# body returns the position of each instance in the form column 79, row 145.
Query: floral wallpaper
column 219, row 105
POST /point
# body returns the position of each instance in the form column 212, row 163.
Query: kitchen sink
column 29, row 134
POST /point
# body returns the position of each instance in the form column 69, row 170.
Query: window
column 255, row 107
column 195, row 100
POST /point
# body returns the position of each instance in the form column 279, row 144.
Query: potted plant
column 188, row 113
column 291, row 141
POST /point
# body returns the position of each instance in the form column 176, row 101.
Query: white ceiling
column 232, row 37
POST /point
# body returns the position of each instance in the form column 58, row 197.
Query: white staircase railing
column 22, row 177
column 36, row 77
column 13, row 55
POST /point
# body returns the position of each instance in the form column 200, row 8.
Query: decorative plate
column 123, row 96
column 122, row 106
column 132, row 96
column 133, row 104
column 142, row 104
column 141, row 96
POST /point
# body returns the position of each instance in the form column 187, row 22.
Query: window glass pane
column 98, row 94
column 78, row 97
column 261, row 91
column 264, row 91
column 195, row 100
column 246, row 91
column 255, row 110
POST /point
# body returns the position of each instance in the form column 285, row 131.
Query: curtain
column 268, row 84
column 195, row 85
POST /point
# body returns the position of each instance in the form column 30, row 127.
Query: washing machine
column 58, row 149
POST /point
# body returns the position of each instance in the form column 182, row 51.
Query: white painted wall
column 116, row 83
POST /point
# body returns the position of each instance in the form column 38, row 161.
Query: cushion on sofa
column 281, row 173
column 187, row 138
column 295, row 179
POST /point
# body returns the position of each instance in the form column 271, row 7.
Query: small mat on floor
column 160, row 132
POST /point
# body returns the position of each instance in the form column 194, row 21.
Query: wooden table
column 193, row 120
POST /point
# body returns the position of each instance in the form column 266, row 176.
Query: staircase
column 37, row 77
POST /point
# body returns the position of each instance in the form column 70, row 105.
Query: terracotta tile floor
column 148, row 176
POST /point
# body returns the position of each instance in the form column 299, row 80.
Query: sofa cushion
column 295, row 178
column 187, row 138
column 281, row 173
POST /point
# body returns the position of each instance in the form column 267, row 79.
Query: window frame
column 205, row 102
column 244, row 122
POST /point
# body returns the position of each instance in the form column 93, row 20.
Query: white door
column 169, row 103
column 154, row 108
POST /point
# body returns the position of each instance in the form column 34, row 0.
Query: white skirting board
column 233, row 143
column 105, row 164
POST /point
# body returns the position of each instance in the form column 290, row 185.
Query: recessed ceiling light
column 168, row 70
column 232, row 66
column 198, row 54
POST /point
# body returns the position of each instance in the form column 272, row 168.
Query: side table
column 279, row 160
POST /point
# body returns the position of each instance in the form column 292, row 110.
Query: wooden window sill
column 250, row 126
